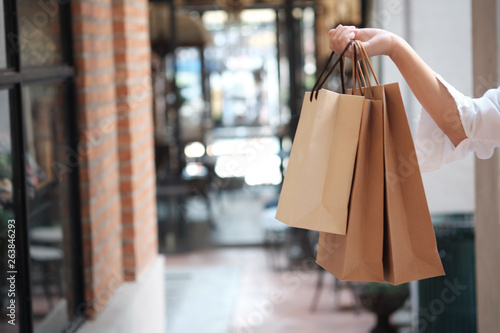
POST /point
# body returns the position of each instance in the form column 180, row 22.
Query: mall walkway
column 230, row 282
column 233, row 290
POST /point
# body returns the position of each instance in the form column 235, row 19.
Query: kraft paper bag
column 317, row 185
column 357, row 256
column 410, row 250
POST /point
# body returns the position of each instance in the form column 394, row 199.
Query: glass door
column 41, row 265
column 9, row 299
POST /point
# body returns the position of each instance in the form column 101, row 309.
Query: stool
column 46, row 258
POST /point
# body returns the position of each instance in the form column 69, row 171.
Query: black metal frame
column 13, row 78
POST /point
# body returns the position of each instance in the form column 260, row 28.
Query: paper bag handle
column 367, row 64
column 321, row 80
column 357, row 73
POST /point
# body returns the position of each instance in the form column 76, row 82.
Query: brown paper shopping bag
column 410, row 249
column 357, row 256
column 409, row 245
column 317, row 185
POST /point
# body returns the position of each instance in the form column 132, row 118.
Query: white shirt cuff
column 480, row 119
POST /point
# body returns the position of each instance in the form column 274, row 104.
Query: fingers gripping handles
column 358, row 74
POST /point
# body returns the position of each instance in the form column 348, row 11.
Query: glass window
column 39, row 33
column 38, row 154
column 244, row 68
column 6, row 217
column 189, row 81
column 48, row 204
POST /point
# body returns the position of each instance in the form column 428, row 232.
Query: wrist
column 396, row 43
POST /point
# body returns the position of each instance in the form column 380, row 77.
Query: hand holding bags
column 389, row 231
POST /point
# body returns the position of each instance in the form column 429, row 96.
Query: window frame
column 13, row 78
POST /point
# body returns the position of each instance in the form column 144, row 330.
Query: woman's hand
column 430, row 92
column 375, row 41
column 340, row 36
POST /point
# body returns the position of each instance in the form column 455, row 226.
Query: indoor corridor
column 250, row 273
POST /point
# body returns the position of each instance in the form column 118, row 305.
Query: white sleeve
column 481, row 122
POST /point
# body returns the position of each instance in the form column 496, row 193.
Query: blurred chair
column 48, row 262
column 337, row 287
column 275, row 235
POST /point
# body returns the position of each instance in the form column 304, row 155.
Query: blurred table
column 47, row 235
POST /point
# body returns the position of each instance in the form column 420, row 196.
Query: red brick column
column 135, row 134
column 116, row 148
column 98, row 151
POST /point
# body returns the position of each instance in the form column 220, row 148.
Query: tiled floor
column 225, row 281
column 201, row 299
column 265, row 301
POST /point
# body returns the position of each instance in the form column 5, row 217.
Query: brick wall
column 116, row 147
column 135, row 134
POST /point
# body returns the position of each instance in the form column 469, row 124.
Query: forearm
column 429, row 91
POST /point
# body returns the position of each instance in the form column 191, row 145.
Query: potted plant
column 383, row 299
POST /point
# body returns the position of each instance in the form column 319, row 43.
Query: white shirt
column 481, row 122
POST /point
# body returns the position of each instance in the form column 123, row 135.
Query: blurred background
column 143, row 146
column 231, row 78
